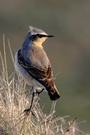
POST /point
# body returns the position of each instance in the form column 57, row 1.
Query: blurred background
column 68, row 51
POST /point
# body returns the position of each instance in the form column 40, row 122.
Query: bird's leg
column 29, row 109
column 39, row 92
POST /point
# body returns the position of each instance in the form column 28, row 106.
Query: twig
column 71, row 123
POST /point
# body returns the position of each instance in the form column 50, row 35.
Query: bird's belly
column 26, row 76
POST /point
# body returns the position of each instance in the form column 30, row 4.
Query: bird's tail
column 53, row 93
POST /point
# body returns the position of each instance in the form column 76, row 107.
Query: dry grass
column 14, row 98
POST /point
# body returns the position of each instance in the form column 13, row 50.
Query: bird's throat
column 37, row 43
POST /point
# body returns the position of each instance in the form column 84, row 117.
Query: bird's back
column 36, row 56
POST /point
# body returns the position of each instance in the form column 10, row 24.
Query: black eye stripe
column 40, row 35
column 34, row 37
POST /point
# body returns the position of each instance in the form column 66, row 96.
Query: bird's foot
column 39, row 92
column 27, row 110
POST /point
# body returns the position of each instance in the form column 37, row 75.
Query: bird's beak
column 49, row 36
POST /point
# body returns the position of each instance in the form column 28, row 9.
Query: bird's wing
column 41, row 74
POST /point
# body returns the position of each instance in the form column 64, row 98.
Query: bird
column 33, row 64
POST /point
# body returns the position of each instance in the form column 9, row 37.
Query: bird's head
column 38, row 36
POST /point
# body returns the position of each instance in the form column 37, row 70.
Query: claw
column 39, row 92
column 27, row 110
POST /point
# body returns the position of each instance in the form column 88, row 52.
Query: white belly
column 25, row 75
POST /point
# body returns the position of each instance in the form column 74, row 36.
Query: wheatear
column 33, row 65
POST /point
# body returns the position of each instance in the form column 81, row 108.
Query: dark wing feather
column 38, row 73
column 42, row 75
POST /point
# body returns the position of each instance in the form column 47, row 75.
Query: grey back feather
column 37, row 56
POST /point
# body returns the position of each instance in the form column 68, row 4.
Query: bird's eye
column 38, row 35
column 34, row 37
